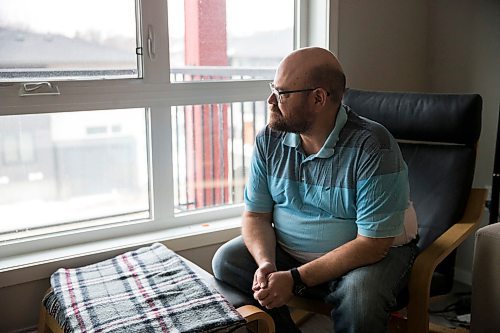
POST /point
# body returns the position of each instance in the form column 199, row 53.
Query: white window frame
column 157, row 93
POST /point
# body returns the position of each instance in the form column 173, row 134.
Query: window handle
column 38, row 88
column 151, row 43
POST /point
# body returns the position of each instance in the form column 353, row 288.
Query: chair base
column 397, row 324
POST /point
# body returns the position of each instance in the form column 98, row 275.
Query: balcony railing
column 213, row 143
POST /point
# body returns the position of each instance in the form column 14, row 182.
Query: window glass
column 212, row 147
column 17, row 147
column 73, row 170
column 67, row 39
column 239, row 39
column 54, row 171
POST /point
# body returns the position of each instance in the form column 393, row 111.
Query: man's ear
column 320, row 96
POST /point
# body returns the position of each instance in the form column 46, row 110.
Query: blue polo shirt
column 356, row 183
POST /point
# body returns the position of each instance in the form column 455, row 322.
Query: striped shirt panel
column 357, row 183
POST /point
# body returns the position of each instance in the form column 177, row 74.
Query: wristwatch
column 299, row 287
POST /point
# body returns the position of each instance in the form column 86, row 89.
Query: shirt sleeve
column 382, row 193
column 257, row 197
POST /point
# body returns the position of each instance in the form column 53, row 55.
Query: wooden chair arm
column 427, row 260
column 264, row 322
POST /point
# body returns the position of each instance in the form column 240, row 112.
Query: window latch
column 151, row 43
column 38, row 88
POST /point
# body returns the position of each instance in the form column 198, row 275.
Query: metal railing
column 213, row 143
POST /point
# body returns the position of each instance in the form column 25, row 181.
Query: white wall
column 383, row 44
column 464, row 49
column 448, row 46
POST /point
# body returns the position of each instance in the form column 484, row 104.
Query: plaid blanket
column 148, row 290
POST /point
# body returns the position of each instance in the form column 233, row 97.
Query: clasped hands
column 272, row 288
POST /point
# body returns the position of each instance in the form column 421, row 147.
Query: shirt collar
column 293, row 139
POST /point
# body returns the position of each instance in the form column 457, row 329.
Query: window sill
column 40, row 265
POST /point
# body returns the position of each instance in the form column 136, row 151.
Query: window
column 128, row 117
column 239, row 39
column 79, row 177
column 57, row 39
column 17, row 148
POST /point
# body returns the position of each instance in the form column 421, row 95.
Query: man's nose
column 272, row 99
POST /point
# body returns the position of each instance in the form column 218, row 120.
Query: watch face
column 299, row 289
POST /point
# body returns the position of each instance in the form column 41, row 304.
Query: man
column 324, row 204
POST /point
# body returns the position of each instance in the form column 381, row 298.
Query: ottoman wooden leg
column 47, row 323
column 42, row 321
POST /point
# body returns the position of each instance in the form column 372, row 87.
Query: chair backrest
column 437, row 134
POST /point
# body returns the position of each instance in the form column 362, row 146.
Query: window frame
column 155, row 92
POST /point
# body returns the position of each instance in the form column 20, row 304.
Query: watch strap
column 299, row 286
column 296, row 275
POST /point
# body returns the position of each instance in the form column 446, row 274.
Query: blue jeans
column 363, row 298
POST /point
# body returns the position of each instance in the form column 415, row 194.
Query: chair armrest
column 264, row 321
column 427, row 260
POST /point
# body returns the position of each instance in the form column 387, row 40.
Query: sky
column 67, row 17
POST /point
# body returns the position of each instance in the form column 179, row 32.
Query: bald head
column 314, row 67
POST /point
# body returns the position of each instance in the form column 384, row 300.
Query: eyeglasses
column 279, row 94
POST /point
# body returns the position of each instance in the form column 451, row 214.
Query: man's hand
column 260, row 276
column 277, row 292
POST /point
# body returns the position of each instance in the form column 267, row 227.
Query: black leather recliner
column 438, row 135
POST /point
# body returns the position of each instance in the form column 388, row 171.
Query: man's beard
column 278, row 122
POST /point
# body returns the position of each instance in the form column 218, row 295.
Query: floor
column 453, row 311
column 323, row 324
column 449, row 314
